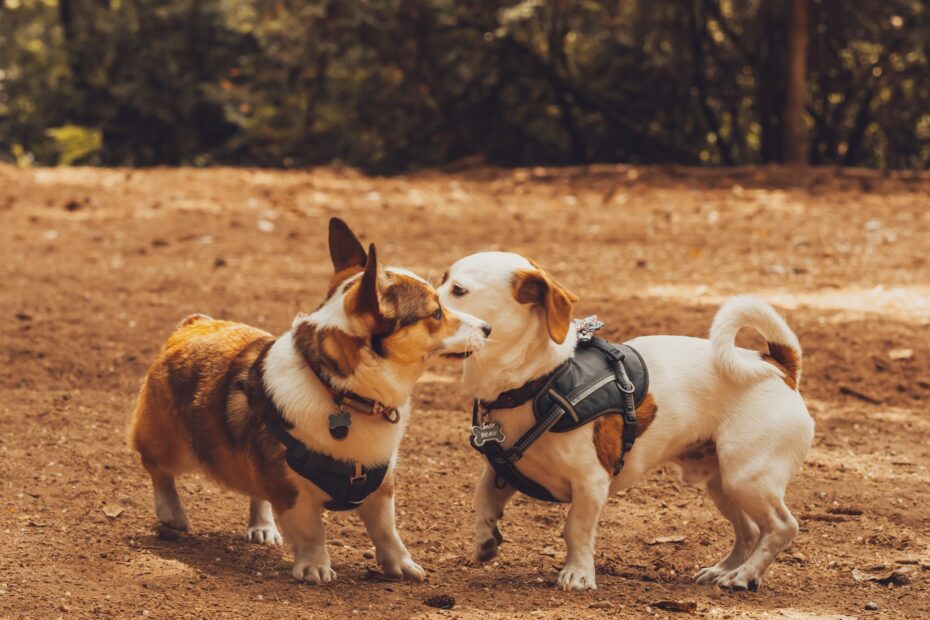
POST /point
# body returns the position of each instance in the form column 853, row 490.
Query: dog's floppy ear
column 536, row 286
column 344, row 247
column 368, row 300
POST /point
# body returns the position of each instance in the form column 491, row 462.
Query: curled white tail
column 748, row 366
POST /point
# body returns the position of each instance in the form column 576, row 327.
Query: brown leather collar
column 354, row 403
column 512, row 399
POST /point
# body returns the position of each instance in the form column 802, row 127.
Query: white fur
column 307, row 404
column 704, row 389
column 745, row 311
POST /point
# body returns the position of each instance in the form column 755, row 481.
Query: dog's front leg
column 377, row 513
column 490, row 500
column 304, row 530
column 588, row 500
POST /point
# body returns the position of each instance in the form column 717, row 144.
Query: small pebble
column 368, row 555
column 600, row 605
column 260, row 597
column 871, row 606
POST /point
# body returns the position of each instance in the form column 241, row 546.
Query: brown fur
column 203, row 402
column 538, row 287
column 194, row 410
column 699, row 451
column 608, row 431
column 329, row 349
column 787, row 359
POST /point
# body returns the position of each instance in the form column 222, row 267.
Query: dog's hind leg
column 168, row 506
column 490, row 500
column 760, row 495
column 262, row 529
column 164, row 455
column 746, row 532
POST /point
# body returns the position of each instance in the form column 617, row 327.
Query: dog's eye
column 438, row 314
column 458, row 291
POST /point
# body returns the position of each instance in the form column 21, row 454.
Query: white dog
column 730, row 417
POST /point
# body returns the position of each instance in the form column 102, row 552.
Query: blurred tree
column 390, row 85
column 796, row 99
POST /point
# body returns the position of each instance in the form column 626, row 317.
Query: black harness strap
column 503, row 460
column 628, row 389
column 348, row 484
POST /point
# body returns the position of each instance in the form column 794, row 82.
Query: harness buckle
column 359, row 476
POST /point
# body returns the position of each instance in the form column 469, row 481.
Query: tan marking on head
column 339, row 277
column 538, row 287
column 788, row 360
column 410, row 303
column 329, row 349
column 608, row 432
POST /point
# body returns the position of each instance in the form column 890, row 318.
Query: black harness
column 348, row 484
column 601, row 378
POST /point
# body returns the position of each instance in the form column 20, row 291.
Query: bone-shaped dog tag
column 487, row 432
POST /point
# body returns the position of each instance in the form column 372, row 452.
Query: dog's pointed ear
column 368, row 300
column 344, row 247
column 537, row 287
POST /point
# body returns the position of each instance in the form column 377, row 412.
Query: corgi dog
column 731, row 418
column 309, row 419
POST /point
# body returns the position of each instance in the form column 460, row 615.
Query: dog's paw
column 742, row 578
column 405, row 568
column 264, row 534
column 313, row 573
column 173, row 516
column 577, row 578
column 708, row 575
column 486, row 550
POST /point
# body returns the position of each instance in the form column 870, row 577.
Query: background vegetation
column 389, row 85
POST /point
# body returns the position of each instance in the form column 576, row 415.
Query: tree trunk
column 796, row 99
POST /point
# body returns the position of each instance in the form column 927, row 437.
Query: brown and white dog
column 204, row 401
column 730, row 417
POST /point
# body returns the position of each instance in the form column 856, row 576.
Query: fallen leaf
column 845, row 389
column 661, row 540
column 897, row 576
column 441, row 601
column 112, row 511
column 845, row 510
column 685, row 606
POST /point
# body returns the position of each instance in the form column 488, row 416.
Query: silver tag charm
column 587, row 326
column 487, row 432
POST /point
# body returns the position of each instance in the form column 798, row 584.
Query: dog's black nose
column 486, row 329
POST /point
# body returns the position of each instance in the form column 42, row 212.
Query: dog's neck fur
column 305, row 402
column 502, row 366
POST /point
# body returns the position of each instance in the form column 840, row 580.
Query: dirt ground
column 99, row 265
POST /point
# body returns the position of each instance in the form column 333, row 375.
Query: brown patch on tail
column 787, row 359
column 608, row 432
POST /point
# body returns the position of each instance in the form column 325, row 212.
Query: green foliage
column 75, row 144
column 389, row 85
